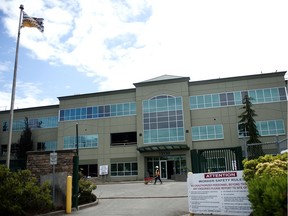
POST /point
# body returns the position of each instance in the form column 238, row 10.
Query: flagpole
column 13, row 92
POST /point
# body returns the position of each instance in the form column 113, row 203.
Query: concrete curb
column 61, row 212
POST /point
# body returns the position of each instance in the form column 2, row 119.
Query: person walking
column 157, row 175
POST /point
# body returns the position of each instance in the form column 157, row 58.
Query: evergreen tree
column 25, row 143
column 247, row 127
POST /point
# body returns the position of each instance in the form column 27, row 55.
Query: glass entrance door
column 163, row 169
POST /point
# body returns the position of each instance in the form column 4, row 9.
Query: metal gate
column 216, row 160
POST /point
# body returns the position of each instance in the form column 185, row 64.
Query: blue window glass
column 84, row 141
column 83, row 113
column 208, row 101
column 61, row 115
column 162, row 114
column 72, row 114
column 66, row 115
column 95, row 112
column 193, row 102
column 78, row 113
column 107, row 110
column 260, row 96
column 280, row 127
column 282, row 94
column 267, row 95
column 200, row 101
column 101, row 111
column 113, row 110
column 275, row 94
column 126, row 109
column 223, row 99
column 120, row 110
column 216, row 100
column 89, row 112
column 268, row 128
column 230, row 98
column 207, row 132
column 132, row 108
column 237, row 98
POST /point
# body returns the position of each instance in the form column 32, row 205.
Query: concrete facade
column 203, row 108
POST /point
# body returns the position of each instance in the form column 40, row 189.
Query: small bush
column 265, row 164
column 21, row 194
column 268, row 195
column 266, row 179
column 85, row 191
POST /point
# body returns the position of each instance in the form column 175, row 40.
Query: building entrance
column 168, row 165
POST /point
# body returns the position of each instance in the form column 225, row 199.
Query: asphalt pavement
column 138, row 199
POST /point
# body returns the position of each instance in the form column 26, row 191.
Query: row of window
column 84, row 141
column 212, row 132
column 94, row 112
column 124, row 169
column 164, row 135
column 162, row 103
column 235, row 98
column 267, row 128
column 33, row 123
column 207, row 132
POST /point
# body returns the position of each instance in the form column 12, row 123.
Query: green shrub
column 21, row 194
column 268, row 195
column 266, row 179
column 85, row 191
column 265, row 164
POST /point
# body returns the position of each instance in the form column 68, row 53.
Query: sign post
column 103, row 171
column 53, row 162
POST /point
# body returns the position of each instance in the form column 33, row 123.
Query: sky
column 102, row 45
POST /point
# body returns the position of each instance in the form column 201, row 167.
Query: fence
column 216, row 160
column 254, row 150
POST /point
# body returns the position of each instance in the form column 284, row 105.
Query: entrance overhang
column 167, row 147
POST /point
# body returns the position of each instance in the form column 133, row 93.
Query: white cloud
column 27, row 95
column 119, row 43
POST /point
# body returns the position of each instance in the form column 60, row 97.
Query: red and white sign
column 218, row 193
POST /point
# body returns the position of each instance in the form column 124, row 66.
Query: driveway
column 138, row 199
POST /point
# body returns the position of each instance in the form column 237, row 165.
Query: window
column 207, row 132
column 124, row 169
column 34, row 123
column 102, row 111
column 128, row 138
column 47, row 146
column 267, row 128
column 89, row 170
column 235, row 98
column 84, row 141
column 163, row 119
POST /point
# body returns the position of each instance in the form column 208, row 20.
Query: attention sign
column 219, row 193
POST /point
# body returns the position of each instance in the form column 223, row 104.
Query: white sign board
column 219, row 193
column 53, row 158
column 103, row 170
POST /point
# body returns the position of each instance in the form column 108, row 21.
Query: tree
column 247, row 127
column 25, row 143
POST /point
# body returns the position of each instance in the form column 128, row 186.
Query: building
column 168, row 121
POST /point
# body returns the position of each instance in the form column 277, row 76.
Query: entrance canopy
column 166, row 147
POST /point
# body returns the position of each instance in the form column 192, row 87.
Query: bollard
column 68, row 194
